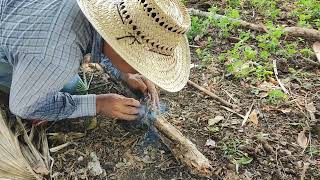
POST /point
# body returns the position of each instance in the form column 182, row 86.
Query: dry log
column 211, row 94
column 183, row 149
column 312, row 34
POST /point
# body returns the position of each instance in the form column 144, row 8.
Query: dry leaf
column 273, row 81
column 214, row 121
column 254, row 117
column 316, row 48
column 302, row 139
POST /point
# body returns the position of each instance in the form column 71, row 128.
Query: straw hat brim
column 168, row 72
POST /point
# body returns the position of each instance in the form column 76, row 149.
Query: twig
column 229, row 95
column 234, row 112
column 276, row 75
column 60, row 147
column 246, row 117
column 212, row 95
column 311, row 62
column 290, row 31
column 194, row 46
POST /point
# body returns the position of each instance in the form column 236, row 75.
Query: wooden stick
column 290, row 31
column 275, row 69
column 211, row 94
column 182, row 148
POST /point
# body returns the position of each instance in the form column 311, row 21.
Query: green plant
column 276, row 96
column 306, row 52
column 313, row 151
column 204, row 54
column 199, row 27
column 270, row 41
column 232, row 150
column 224, row 24
column 262, row 72
column 84, row 85
column 266, row 7
column 307, row 12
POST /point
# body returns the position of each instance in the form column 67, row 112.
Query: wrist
column 124, row 76
column 98, row 104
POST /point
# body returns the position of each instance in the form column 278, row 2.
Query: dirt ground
column 266, row 148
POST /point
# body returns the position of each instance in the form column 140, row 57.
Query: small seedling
column 276, row 96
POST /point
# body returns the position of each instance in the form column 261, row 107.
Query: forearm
column 56, row 106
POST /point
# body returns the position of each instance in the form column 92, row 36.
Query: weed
column 307, row 12
column 231, row 149
column 313, row 151
column 199, row 27
column 204, row 54
column 84, row 85
column 266, row 8
column 276, row 96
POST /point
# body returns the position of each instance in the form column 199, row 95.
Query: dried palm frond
column 22, row 155
column 13, row 164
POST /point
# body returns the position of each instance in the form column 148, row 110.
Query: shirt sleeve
column 35, row 92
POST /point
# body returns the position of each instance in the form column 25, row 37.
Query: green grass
column 251, row 58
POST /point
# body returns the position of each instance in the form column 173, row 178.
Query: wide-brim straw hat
column 150, row 35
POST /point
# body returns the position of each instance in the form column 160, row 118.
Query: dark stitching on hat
column 130, row 36
column 136, row 33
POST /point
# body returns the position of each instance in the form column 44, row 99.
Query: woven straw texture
column 149, row 36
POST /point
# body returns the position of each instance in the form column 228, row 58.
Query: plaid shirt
column 44, row 41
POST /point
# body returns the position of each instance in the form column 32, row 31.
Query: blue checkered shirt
column 45, row 41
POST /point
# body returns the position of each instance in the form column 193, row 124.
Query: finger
column 142, row 86
column 132, row 102
column 153, row 92
column 130, row 110
column 127, row 117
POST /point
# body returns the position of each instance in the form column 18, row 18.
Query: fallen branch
column 290, row 31
column 211, row 94
column 182, row 148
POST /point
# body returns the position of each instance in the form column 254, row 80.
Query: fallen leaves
column 254, row 117
column 302, row 139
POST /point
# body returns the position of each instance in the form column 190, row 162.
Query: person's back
column 44, row 41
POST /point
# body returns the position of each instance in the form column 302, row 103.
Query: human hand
column 140, row 83
column 117, row 106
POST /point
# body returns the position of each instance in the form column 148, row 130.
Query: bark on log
column 311, row 34
column 183, row 149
